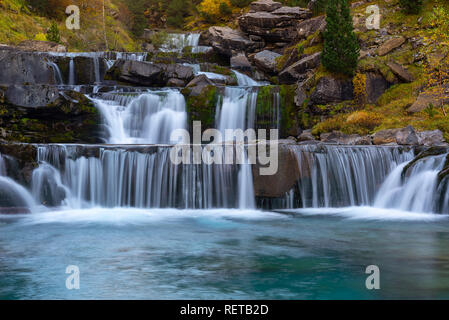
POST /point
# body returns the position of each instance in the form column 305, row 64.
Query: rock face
column 225, row 40
column 283, row 181
column 41, row 46
column 241, row 62
column 42, row 114
column 266, row 60
column 390, row 45
column 24, row 68
column 295, row 72
column 149, row 74
column 331, row 90
column 400, row 72
column 376, row 85
column 277, row 25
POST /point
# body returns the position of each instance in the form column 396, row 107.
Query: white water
column 176, row 42
column 244, row 81
column 57, row 72
column 72, row 72
column 149, row 118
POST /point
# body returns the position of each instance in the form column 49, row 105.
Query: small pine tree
column 411, row 6
column 53, row 33
column 341, row 48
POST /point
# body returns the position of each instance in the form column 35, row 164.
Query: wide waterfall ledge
column 378, row 180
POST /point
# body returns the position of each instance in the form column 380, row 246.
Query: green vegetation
column 341, row 47
column 53, row 33
column 411, row 6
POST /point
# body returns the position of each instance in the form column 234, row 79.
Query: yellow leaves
column 359, row 83
column 212, row 7
column 40, row 37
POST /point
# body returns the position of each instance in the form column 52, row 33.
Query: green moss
column 202, row 107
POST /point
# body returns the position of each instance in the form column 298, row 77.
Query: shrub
column 359, row 83
column 40, row 37
column 341, row 48
column 53, row 33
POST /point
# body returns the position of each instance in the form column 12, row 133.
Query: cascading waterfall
column 71, row 72
column 417, row 190
column 244, row 81
column 338, row 176
column 144, row 178
column 148, row 118
column 176, row 42
column 57, row 72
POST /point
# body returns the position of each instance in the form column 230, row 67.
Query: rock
column 404, row 136
column 225, row 40
column 277, row 26
column 148, row 74
column 85, row 69
column 293, row 12
column 306, row 136
column 31, row 96
column 432, row 97
column 241, row 62
column 198, row 83
column 308, row 27
column 24, row 68
column 300, row 95
column 390, row 45
column 400, row 71
column 277, row 185
column 266, row 60
column 264, row 5
column 376, row 85
column 41, row 46
column 177, row 83
column 431, row 138
column 294, row 72
column 341, row 138
column 331, row 90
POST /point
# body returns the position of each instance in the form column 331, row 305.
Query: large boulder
column 431, row 138
column 295, row 72
column 435, row 96
column 225, row 40
column 198, row 83
column 277, row 185
column 376, row 85
column 240, row 62
column 31, row 96
column 41, row 46
column 331, row 90
column 25, row 68
column 266, row 61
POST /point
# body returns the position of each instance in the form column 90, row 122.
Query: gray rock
column 264, row 5
column 401, row 72
column 431, row 138
column 198, row 83
column 41, row 46
column 331, row 90
column 376, row 85
column 294, row 12
column 341, row 138
column 404, row 136
column 31, row 96
column 25, row 68
column 308, row 27
column 240, row 61
column 266, row 61
column 225, row 40
column 300, row 95
column 390, row 45
column 306, row 135
column 176, row 83
column 294, row 72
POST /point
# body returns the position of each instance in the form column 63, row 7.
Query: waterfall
column 142, row 177
column 57, row 72
column 149, row 118
column 244, row 81
column 338, row 176
column 72, row 72
column 417, row 191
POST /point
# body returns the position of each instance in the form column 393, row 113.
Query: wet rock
column 225, row 40
column 401, row 72
column 331, row 90
column 295, row 72
column 277, row 185
column 390, row 45
column 41, row 46
column 264, row 5
column 266, row 61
